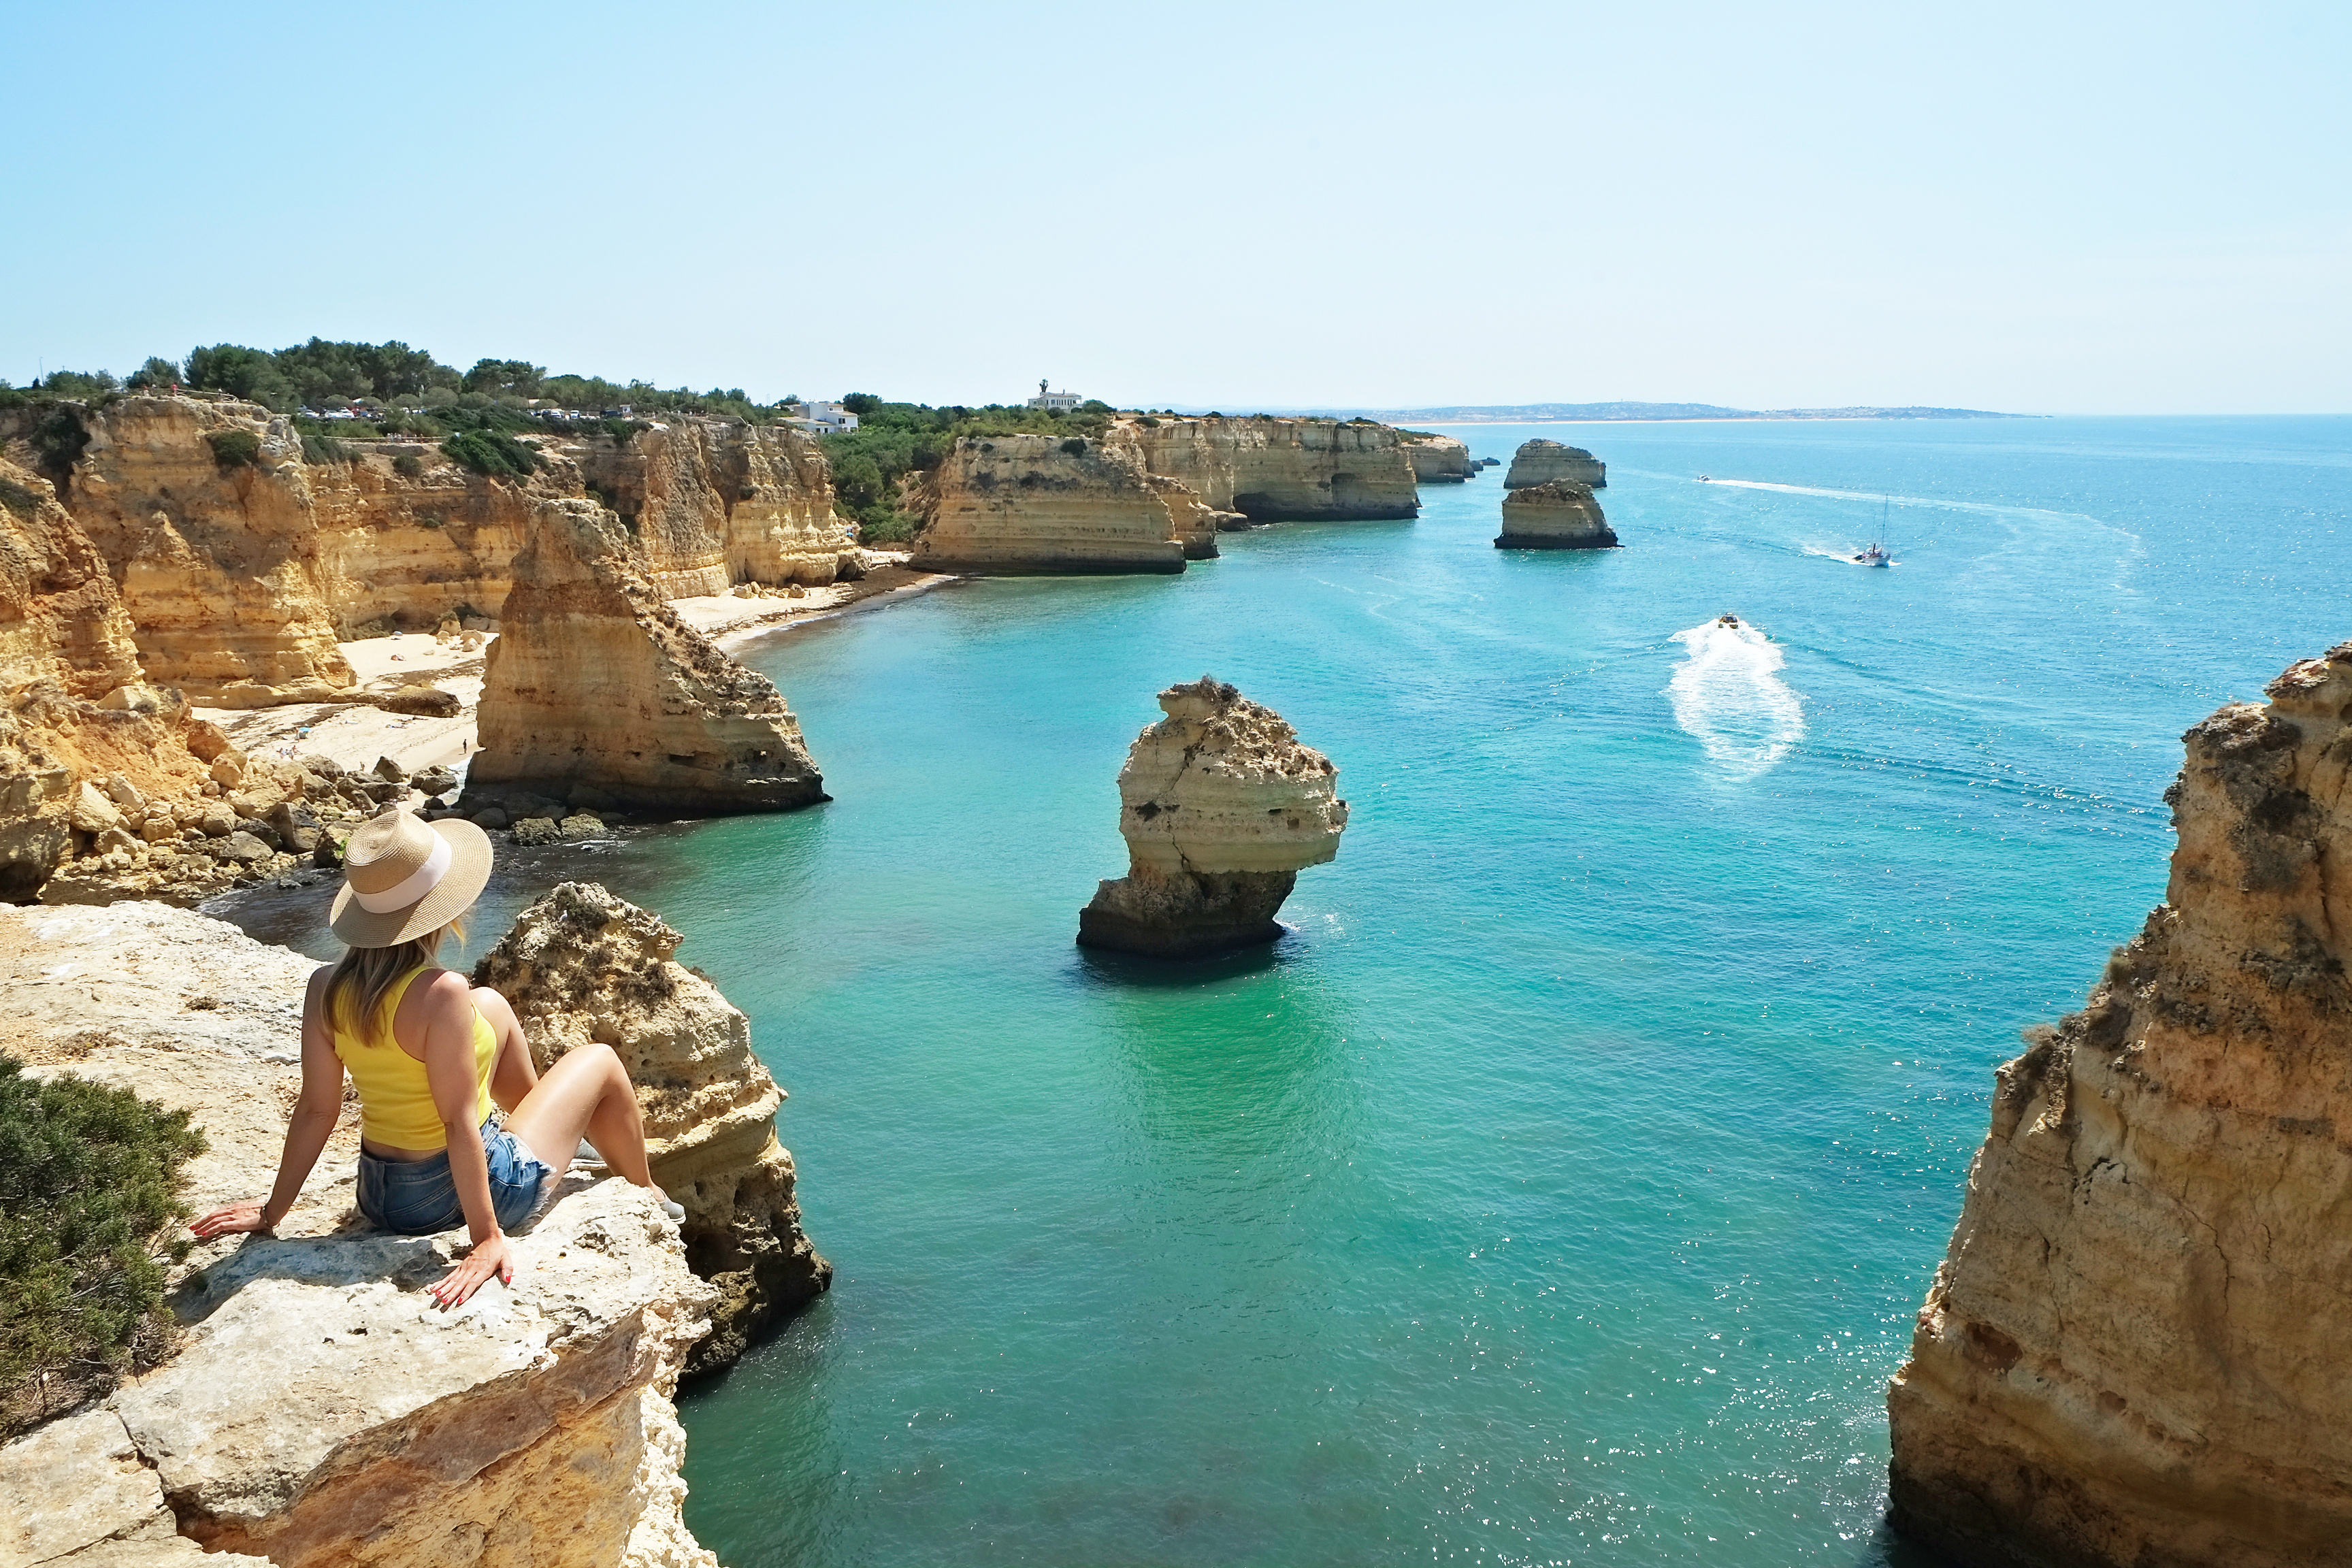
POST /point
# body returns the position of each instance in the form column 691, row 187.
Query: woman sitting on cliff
column 429, row 1055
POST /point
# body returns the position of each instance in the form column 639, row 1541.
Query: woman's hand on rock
column 231, row 1220
column 473, row 1271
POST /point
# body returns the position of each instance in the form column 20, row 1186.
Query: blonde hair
column 365, row 976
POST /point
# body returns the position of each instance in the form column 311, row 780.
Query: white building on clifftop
column 1064, row 401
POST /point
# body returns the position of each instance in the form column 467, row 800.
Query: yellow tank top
column 395, row 1096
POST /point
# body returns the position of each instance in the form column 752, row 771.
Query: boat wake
column 1982, row 509
column 1729, row 696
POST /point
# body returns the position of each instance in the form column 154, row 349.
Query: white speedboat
column 1875, row 555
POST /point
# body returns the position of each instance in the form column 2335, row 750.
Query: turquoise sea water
column 1562, row 1189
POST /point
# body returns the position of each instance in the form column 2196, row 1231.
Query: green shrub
column 89, row 1191
column 491, row 453
column 881, row 525
column 22, row 499
column 428, row 519
column 234, row 448
column 1075, row 446
column 1149, row 423
column 407, row 465
column 58, row 438
column 319, row 449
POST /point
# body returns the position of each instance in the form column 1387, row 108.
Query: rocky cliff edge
column 2132, row 1353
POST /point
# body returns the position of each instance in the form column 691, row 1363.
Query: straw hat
column 403, row 877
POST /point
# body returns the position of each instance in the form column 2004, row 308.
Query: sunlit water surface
column 1562, row 1189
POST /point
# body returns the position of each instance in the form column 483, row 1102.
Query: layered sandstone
column 1541, row 462
column 1274, row 470
column 1554, row 515
column 1045, row 504
column 714, row 503
column 594, row 683
column 317, row 1410
column 2131, row 1353
column 581, row 965
column 218, row 561
column 1439, row 460
column 1221, row 809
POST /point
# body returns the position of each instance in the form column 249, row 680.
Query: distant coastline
column 1607, row 413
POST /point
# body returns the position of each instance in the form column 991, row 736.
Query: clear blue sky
column 2067, row 208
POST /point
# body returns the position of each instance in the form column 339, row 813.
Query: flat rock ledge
column 318, row 1409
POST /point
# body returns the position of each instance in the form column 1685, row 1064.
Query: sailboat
column 1875, row 554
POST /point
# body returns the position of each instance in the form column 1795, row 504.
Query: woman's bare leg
column 587, row 1091
column 512, row 1077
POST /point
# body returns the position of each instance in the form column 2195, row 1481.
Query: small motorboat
column 1874, row 555
column 1704, row 480
column 1727, row 619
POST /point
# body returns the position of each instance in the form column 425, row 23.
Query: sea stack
column 1540, row 462
column 2133, row 1352
column 1221, row 807
column 582, row 965
column 1439, row 460
column 598, row 693
column 1558, row 514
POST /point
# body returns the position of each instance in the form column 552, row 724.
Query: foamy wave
column 1729, row 696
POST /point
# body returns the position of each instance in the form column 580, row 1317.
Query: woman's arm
column 307, row 1130
column 457, row 1095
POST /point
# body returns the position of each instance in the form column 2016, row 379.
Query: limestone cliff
column 1221, row 809
column 596, row 683
column 2132, row 1352
column 1439, row 460
column 1037, row 503
column 1541, row 462
column 218, row 557
column 581, row 965
column 317, row 1410
column 1282, row 470
column 714, row 503
column 1554, row 515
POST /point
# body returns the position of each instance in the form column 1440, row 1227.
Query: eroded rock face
column 317, row 1410
column 1554, row 515
column 218, row 559
column 720, row 501
column 1541, row 462
column 1221, row 809
column 1032, row 503
column 2132, row 1352
column 1439, row 460
column 1274, row 470
column 594, row 682
column 581, row 965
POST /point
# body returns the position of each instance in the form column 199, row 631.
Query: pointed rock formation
column 1554, row 515
column 2133, row 1352
column 1540, row 462
column 1221, row 807
column 581, row 965
column 594, row 684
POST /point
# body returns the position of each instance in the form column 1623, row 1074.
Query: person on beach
column 430, row 1055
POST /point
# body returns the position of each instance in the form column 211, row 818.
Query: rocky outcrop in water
column 2132, row 1354
column 1541, row 462
column 1039, row 504
column 317, row 1410
column 596, row 685
column 1555, row 515
column 1439, row 460
column 581, row 965
column 1221, row 809
column 1271, row 470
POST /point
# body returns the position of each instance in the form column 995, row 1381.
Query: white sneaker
column 677, row 1211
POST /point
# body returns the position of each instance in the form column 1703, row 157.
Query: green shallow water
column 1562, row 1189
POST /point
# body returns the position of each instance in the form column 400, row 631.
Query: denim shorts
column 417, row 1197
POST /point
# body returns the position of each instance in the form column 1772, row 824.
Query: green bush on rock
column 88, row 1186
column 491, row 453
column 234, row 448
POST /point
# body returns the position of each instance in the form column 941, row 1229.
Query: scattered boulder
column 1221, row 809
column 533, row 831
column 423, row 701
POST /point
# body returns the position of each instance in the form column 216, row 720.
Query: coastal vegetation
column 895, row 439
column 88, row 1186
